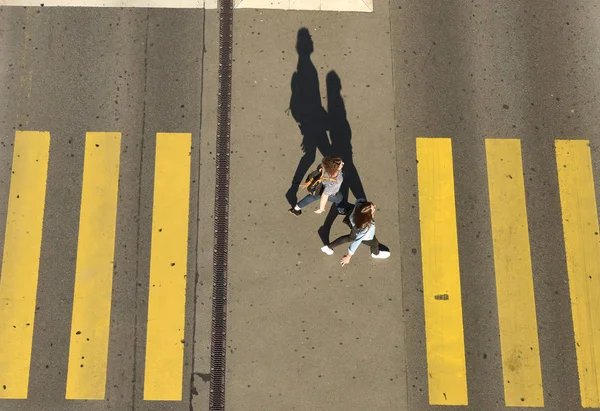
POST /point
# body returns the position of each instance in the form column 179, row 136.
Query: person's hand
column 319, row 211
column 346, row 260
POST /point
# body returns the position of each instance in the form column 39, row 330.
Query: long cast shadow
column 341, row 136
column 340, row 133
column 307, row 111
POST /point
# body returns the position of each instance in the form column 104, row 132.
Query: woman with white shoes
column 362, row 224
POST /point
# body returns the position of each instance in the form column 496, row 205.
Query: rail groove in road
column 87, row 378
column 218, row 349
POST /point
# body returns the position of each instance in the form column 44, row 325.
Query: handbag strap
column 326, row 178
column 321, row 178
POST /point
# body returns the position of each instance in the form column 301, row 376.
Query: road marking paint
column 324, row 5
column 582, row 246
column 90, row 327
column 308, row 5
column 514, row 277
column 21, row 259
column 183, row 4
column 168, row 268
column 441, row 273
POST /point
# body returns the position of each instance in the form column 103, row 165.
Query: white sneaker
column 382, row 254
column 327, row 250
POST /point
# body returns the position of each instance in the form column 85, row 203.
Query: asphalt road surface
column 471, row 125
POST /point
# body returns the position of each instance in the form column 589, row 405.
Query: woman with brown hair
column 362, row 224
column 332, row 181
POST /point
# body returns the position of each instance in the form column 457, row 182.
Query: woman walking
column 362, row 224
column 332, row 181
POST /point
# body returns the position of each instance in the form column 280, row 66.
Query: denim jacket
column 361, row 235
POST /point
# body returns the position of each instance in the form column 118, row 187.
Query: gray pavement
column 69, row 71
column 303, row 332
column 472, row 70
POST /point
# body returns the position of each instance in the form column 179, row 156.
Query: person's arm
column 353, row 247
column 346, row 259
column 322, row 203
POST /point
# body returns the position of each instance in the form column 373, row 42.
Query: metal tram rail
column 219, row 304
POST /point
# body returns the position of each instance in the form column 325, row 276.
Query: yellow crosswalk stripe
column 168, row 266
column 88, row 353
column 21, row 259
column 514, row 277
column 582, row 246
column 441, row 275
column 163, row 372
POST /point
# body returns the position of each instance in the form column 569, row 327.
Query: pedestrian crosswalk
column 521, row 365
column 20, row 262
column 89, row 339
column 441, row 276
column 514, row 278
column 168, row 266
column 94, row 268
column 164, row 341
column 582, row 245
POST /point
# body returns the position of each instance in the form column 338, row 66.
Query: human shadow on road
column 307, row 110
column 340, row 134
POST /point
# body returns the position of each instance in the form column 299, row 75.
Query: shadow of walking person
column 341, row 136
column 341, row 144
column 307, row 110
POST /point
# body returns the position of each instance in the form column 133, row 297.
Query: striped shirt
column 332, row 187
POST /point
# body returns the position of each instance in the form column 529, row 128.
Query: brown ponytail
column 363, row 216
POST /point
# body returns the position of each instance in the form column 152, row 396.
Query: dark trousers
column 348, row 238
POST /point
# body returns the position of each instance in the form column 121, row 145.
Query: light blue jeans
column 335, row 199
